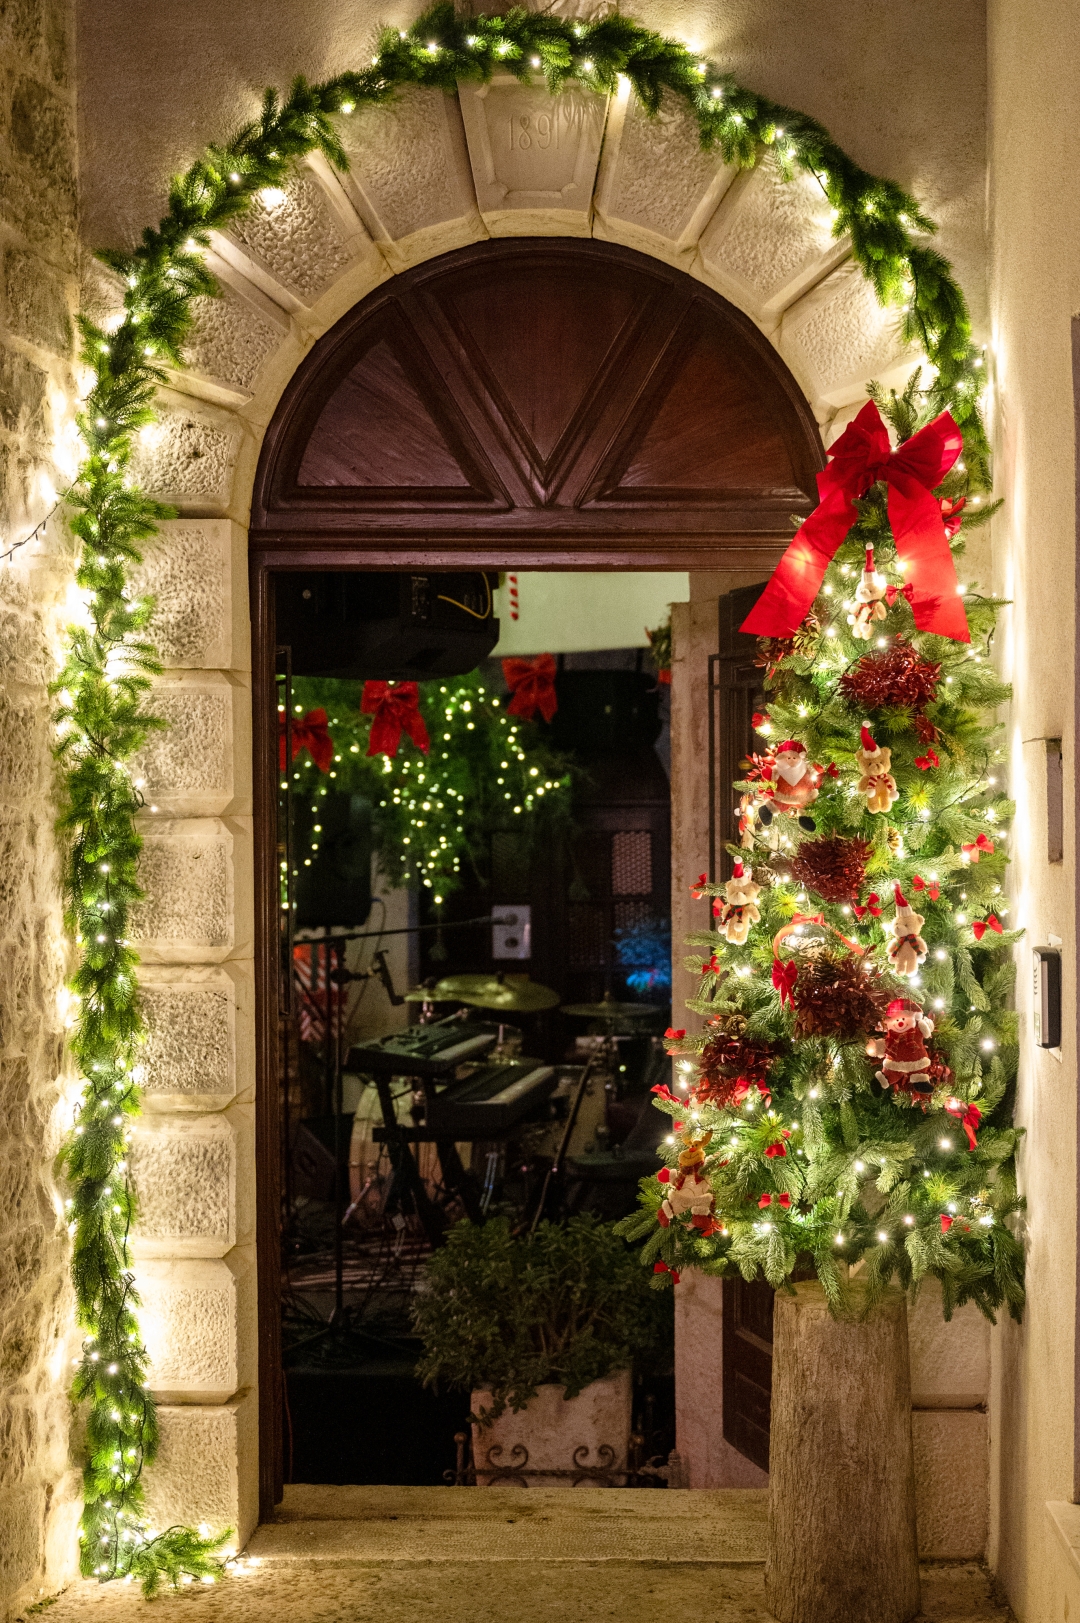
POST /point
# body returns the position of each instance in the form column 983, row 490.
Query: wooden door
column 522, row 403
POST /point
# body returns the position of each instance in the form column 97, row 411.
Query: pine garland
column 109, row 662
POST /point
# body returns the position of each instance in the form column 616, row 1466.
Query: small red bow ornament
column 990, row 922
column 785, row 972
column 871, row 906
column 783, row 1200
column 983, row 846
column 931, row 888
column 309, row 734
column 396, row 709
column 969, row 1117
column 532, row 687
column 927, row 761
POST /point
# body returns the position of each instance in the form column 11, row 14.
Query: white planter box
column 555, row 1442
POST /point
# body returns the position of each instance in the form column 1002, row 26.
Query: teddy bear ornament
column 740, row 909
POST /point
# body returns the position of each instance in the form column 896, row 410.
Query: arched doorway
column 552, row 403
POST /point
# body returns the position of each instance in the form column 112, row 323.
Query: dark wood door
column 738, row 690
column 538, row 403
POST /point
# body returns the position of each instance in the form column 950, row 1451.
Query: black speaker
column 605, row 712
column 397, row 627
column 333, row 882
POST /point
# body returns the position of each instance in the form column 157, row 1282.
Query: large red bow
column 860, row 457
column 309, row 734
column 532, row 685
column 396, row 710
column 969, row 1117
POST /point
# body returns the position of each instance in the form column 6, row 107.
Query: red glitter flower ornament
column 897, row 677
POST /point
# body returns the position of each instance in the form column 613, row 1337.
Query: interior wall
column 1034, row 82
column 38, row 1492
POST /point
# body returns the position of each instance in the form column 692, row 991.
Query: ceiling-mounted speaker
column 398, row 627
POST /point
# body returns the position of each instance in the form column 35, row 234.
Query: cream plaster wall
column 38, row 1489
column 1035, row 295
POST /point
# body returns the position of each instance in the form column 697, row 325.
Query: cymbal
column 515, row 993
column 611, row 1010
column 430, row 994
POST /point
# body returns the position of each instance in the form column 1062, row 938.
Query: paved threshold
column 502, row 1555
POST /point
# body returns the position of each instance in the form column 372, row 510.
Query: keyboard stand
column 406, row 1184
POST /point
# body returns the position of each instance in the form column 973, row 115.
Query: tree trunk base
column 842, row 1540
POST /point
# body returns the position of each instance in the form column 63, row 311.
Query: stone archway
column 429, row 174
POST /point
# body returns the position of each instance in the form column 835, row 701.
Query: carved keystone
column 534, row 156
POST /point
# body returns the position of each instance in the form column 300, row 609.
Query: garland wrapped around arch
column 109, row 662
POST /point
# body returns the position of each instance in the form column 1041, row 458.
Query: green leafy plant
column 485, row 770
column 509, row 1313
column 100, row 717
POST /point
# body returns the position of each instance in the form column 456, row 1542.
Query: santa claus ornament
column 795, row 785
column 905, row 1062
column 907, row 949
column 876, row 782
column 687, row 1190
column 869, row 608
column 739, row 910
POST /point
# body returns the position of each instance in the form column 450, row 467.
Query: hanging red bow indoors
column 860, row 457
column 309, row 733
column 532, row 687
column 396, row 709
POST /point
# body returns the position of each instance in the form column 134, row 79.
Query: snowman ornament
column 869, row 607
column 795, row 785
column 905, row 1063
column 907, row 949
column 739, row 909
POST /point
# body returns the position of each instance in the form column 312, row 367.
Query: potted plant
column 543, row 1330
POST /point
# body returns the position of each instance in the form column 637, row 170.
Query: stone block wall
column 193, row 1156
column 39, row 1491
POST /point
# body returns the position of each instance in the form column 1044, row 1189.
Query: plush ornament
column 836, row 996
column 688, row 1191
column 795, row 784
column 877, row 782
column 869, row 607
column 832, row 867
column 906, row 1063
column 740, row 910
column 907, row 949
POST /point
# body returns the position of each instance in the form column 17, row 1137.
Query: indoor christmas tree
column 846, row 1110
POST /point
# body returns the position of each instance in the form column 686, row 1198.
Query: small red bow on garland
column 779, row 1147
column 946, row 1222
column 676, row 1036
column 785, row 972
column 697, row 890
column 662, row 1268
column 395, row 707
column 713, row 967
column 758, row 718
column 532, row 686
column 861, row 456
column 951, row 509
column 662, row 1091
column 980, row 926
column 783, row 1200
column 931, row 888
column 969, row 1117
column 872, row 906
column 930, row 759
column 982, row 845
column 893, row 592
column 309, row 734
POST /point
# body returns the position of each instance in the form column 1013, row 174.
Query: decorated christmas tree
column 846, row 1111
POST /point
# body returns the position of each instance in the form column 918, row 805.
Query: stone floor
column 410, row 1555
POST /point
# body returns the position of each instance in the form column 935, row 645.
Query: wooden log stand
column 842, row 1540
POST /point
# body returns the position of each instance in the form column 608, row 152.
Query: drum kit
column 518, row 994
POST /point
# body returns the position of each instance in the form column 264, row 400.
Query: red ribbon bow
column 969, row 1117
column 858, row 459
column 991, row 922
column 677, row 1035
column 779, row 1147
column 395, row 707
column 907, row 590
column 697, row 890
column 662, row 1268
column 925, row 762
column 946, row 1222
column 931, row 889
column 951, row 510
column 532, row 685
column 309, row 734
column 783, row 1200
column 785, row 972
column 982, row 844
column 873, row 907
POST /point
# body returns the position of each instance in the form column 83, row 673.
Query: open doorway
column 511, row 415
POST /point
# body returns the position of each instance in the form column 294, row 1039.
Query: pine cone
column 832, row 867
column 837, row 996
